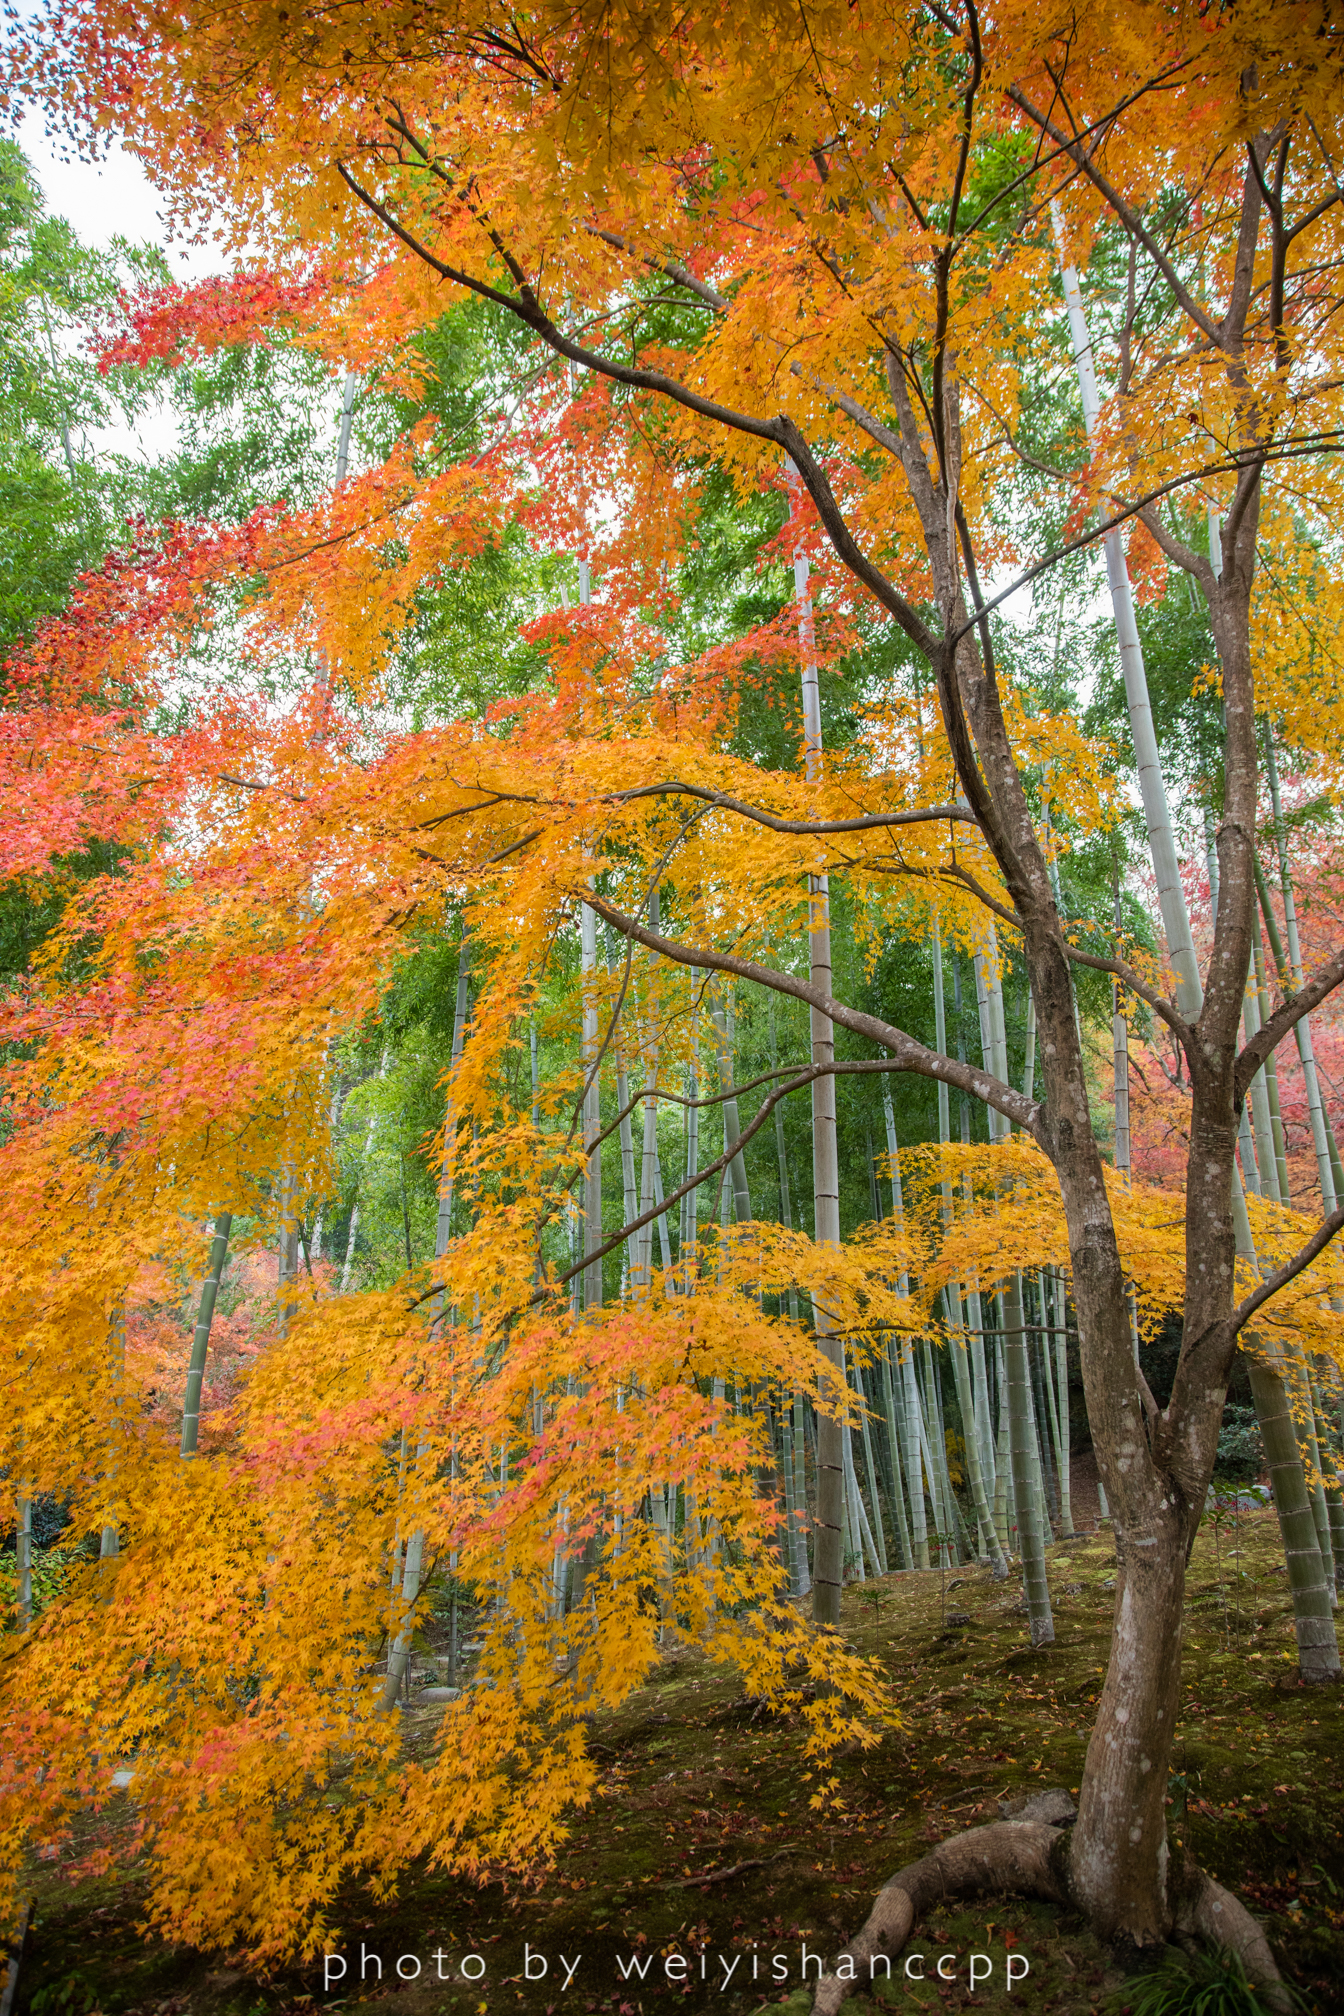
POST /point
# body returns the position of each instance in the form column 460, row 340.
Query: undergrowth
column 703, row 1865
column 1194, row 1984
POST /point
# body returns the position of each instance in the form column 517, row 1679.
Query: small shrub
column 1211, row 1983
column 1241, row 1454
column 74, row 1996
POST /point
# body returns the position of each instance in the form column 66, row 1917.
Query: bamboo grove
column 727, row 1277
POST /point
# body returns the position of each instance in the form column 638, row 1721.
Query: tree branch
column 780, row 429
column 1323, row 982
column 534, row 317
column 906, row 1053
column 1317, row 1243
column 670, row 268
column 1330, row 441
column 858, row 824
column 1127, row 976
column 1086, row 162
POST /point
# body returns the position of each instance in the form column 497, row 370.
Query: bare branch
column 1330, row 441
column 1126, row 975
column 1185, row 557
column 876, row 429
column 701, row 1176
column 1128, row 216
column 858, row 824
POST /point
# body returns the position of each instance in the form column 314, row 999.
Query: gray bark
column 827, row 1563
column 200, row 1343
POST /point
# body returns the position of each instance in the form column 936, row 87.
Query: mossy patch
column 696, row 1784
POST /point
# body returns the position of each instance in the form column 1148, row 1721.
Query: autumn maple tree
column 814, row 259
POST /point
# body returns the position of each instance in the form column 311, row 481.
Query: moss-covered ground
column 704, row 1849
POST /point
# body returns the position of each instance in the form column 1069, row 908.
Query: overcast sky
column 113, row 198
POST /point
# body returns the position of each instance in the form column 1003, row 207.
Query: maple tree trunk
column 1118, row 1854
column 1031, row 1856
column 1229, row 608
column 1120, row 1838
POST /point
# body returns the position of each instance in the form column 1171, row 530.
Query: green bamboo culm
column 23, row 1557
column 1317, row 1651
column 109, row 1545
column 200, row 1343
column 1028, row 1496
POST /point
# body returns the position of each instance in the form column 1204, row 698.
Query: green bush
column 1241, row 1454
column 50, row 1570
column 75, row 1995
column 1211, row 1983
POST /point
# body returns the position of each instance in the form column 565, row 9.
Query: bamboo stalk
column 827, row 1566
column 1317, row 1658
column 1300, row 1385
column 870, row 1471
column 1271, row 1071
column 370, row 1131
column 109, row 1545
column 23, row 1557
column 732, row 1127
column 897, row 1461
column 1327, row 1154
column 1026, row 1483
column 200, row 1343
column 1317, row 1648
column 592, row 1112
column 399, row 1650
column 1062, row 1409
column 800, row 1493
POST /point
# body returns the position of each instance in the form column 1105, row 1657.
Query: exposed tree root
column 1020, row 1855
column 1208, row 1912
column 1028, row 1856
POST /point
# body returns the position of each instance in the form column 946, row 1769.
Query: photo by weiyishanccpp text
column 650, row 1965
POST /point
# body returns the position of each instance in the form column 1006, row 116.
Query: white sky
column 112, row 198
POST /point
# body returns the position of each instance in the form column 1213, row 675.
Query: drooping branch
column 656, row 1210
column 802, row 1077
column 906, row 1053
column 1272, row 1284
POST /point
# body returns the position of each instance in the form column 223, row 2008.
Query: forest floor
column 702, row 1858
